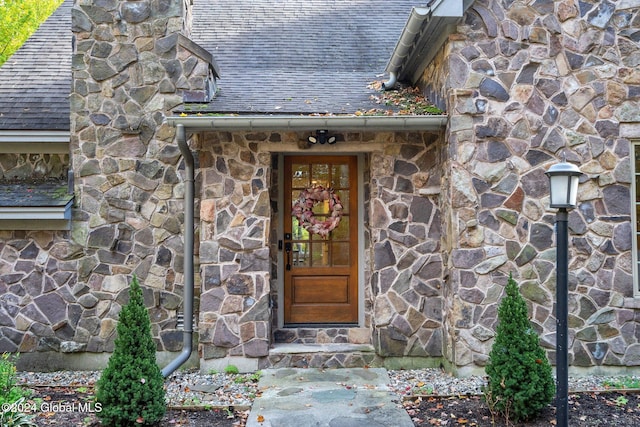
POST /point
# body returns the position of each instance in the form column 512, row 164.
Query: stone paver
column 332, row 397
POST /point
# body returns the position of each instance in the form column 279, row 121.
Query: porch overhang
column 309, row 123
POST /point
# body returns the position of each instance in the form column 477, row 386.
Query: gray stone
column 483, row 334
column 581, row 357
column 491, row 264
column 616, row 199
column 88, row 300
column 383, row 255
column 80, row 21
column 598, row 350
column 602, row 14
column 101, row 70
column 495, row 128
column 239, row 284
column 52, row 306
column 72, row 347
column 259, row 312
column 223, row 337
column 492, row 89
column 172, row 340
column 389, row 342
column 467, row 258
column 256, row 348
column 102, row 237
column 604, row 315
column 135, row 11
column 170, row 301
column 541, row 236
column 632, row 355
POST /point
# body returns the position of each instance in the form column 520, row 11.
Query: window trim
column 635, row 203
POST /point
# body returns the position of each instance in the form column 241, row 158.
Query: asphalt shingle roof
column 298, row 56
column 35, row 82
column 35, row 194
column 289, row 56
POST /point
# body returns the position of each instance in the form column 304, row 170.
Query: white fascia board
column 34, row 141
column 36, row 212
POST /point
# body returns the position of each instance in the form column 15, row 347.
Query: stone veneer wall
column 407, row 263
column 526, row 82
column 238, row 250
column 16, row 166
column 29, row 316
column 130, row 67
column 63, row 291
column 235, row 213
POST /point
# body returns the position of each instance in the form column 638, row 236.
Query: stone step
column 341, row 355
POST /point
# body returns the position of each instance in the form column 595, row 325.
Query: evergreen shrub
column 131, row 388
column 520, row 380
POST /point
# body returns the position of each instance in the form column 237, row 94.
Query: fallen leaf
column 260, row 419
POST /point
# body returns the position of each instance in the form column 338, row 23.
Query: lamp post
column 563, row 180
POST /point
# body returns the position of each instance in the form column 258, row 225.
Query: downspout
column 187, row 336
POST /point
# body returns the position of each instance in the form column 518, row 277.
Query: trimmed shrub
column 520, row 380
column 130, row 388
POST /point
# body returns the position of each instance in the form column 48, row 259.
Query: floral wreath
column 303, row 210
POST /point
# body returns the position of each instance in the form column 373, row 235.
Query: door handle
column 287, row 249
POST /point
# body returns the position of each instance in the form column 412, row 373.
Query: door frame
column 280, row 230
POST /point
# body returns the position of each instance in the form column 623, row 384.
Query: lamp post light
column 563, row 180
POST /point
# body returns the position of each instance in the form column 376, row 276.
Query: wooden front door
column 321, row 272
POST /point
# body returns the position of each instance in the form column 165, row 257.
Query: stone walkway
column 349, row 397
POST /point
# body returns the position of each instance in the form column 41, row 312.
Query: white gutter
column 306, row 123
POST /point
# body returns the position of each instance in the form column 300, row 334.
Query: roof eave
column 34, row 141
column 307, row 123
column 36, row 212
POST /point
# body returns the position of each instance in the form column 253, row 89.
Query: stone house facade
column 440, row 209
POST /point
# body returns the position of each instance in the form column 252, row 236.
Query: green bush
column 520, row 380
column 11, row 394
column 130, row 388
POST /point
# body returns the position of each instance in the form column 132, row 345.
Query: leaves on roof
column 399, row 102
column 403, row 101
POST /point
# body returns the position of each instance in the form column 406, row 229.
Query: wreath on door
column 303, row 210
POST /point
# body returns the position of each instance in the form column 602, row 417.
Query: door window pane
column 320, row 254
column 300, row 177
column 320, row 174
column 340, row 253
column 300, row 255
column 340, row 176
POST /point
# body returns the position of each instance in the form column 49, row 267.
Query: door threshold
column 319, row 325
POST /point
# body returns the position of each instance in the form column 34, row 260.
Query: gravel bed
column 193, row 389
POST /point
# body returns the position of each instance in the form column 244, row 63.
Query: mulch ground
column 73, row 406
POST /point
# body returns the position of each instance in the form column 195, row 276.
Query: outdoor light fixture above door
column 322, row 137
